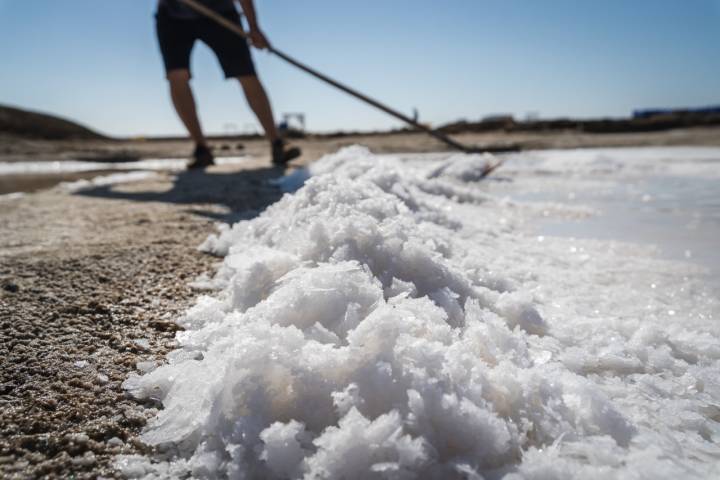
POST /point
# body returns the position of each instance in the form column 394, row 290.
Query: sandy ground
column 90, row 283
column 13, row 149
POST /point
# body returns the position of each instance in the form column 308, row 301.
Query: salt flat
column 394, row 317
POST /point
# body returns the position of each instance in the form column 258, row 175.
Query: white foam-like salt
column 389, row 320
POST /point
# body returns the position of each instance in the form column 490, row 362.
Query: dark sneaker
column 281, row 154
column 203, row 158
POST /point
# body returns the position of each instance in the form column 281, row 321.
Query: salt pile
column 389, row 321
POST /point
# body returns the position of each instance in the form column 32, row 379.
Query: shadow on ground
column 245, row 193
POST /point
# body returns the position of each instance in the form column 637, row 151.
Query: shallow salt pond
column 16, row 177
column 665, row 198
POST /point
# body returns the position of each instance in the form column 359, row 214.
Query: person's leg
column 260, row 104
column 184, row 102
column 236, row 60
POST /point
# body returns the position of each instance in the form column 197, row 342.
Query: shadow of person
column 245, row 193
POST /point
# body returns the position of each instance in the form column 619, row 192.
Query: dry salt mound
column 393, row 322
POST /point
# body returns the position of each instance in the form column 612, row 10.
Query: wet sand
column 36, row 182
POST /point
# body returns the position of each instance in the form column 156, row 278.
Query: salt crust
column 105, row 180
column 389, row 322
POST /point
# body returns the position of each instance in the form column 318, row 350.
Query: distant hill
column 22, row 123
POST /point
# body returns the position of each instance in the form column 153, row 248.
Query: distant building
column 654, row 112
column 293, row 121
column 499, row 117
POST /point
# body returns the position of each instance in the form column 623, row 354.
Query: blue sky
column 96, row 61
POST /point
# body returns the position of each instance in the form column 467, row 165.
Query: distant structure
column 654, row 112
column 294, row 121
column 499, row 117
column 499, row 121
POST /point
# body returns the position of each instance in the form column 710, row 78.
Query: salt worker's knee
column 178, row 77
column 250, row 82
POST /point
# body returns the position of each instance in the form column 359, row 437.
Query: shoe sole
column 199, row 166
column 290, row 155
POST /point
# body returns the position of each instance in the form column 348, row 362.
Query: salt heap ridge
column 372, row 325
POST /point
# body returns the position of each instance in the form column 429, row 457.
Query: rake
column 237, row 29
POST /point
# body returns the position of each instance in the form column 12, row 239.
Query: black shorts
column 177, row 37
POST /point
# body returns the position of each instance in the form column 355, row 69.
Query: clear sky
column 96, row 61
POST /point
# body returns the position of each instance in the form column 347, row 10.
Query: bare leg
column 260, row 104
column 184, row 102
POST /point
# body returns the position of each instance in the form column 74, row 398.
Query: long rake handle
column 237, row 29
